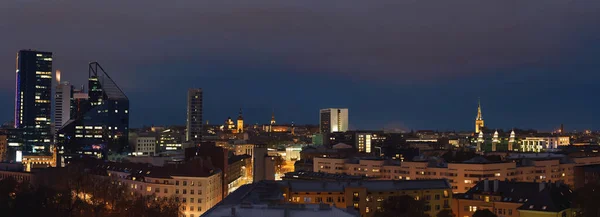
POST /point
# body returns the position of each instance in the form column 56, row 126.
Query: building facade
column 197, row 191
column 62, row 102
column 514, row 199
column 367, row 197
column 145, row 145
column 194, row 115
column 33, row 98
column 333, row 120
column 462, row 176
column 102, row 122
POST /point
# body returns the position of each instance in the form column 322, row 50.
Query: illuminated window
column 367, row 209
column 148, row 189
column 468, row 181
column 487, row 199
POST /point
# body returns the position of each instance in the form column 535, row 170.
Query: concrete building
column 62, row 102
column 194, row 184
column 366, row 197
column 194, row 115
column 263, row 164
column 266, row 199
column 333, row 120
column 514, row 199
column 461, row 175
column 146, row 145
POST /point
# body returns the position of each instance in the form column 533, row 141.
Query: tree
column 484, row 213
column 445, row 213
column 402, row 206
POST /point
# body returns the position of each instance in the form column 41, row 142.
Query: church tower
column 273, row 117
column 479, row 120
column 240, row 122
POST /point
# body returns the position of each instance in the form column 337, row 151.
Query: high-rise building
column 101, row 124
column 62, row 102
column 479, row 119
column 32, row 100
column 194, row 115
column 333, row 120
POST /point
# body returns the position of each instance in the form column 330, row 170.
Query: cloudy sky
column 410, row 64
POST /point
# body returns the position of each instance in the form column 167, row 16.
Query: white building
column 333, row 120
column 145, row 145
column 62, row 102
column 198, row 190
column 546, row 142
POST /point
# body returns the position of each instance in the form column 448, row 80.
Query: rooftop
column 374, row 185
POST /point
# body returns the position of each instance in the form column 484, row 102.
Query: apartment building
column 197, row 186
column 366, row 197
column 514, row 199
column 462, row 175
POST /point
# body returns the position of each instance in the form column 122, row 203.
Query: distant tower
column 511, row 141
column 495, row 141
column 480, row 141
column 240, row 122
column 479, row 120
column 194, row 115
column 273, row 117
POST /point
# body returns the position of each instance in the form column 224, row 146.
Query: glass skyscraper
column 33, row 102
column 101, row 122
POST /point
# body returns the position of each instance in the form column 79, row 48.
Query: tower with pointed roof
column 479, row 119
column 511, row 140
column 273, row 117
column 240, row 122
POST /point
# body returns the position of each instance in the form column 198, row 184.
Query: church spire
column 273, row 117
column 479, row 120
column 479, row 117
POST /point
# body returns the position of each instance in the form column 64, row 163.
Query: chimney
column 496, row 184
column 486, row 185
column 232, row 211
column 542, row 185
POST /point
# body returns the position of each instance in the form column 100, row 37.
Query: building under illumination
column 333, row 120
column 102, row 121
column 33, row 97
column 62, row 102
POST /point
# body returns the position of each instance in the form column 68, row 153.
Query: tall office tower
column 101, row 122
column 194, row 115
column 62, row 102
column 32, row 100
column 333, row 120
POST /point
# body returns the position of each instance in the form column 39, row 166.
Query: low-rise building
column 145, row 145
column 462, row 175
column 514, row 199
column 196, row 184
column 366, row 197
column 265, row 198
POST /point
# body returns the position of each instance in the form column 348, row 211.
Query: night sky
column 408, row 64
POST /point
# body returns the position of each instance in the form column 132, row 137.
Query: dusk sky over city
column 395, row 64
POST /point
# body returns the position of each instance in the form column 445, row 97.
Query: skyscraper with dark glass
column 194, row 115
column 33, row 101
column 101, row 121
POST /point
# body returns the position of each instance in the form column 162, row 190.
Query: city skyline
column 409, row 77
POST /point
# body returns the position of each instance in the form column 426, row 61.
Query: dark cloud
column 154, row 44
